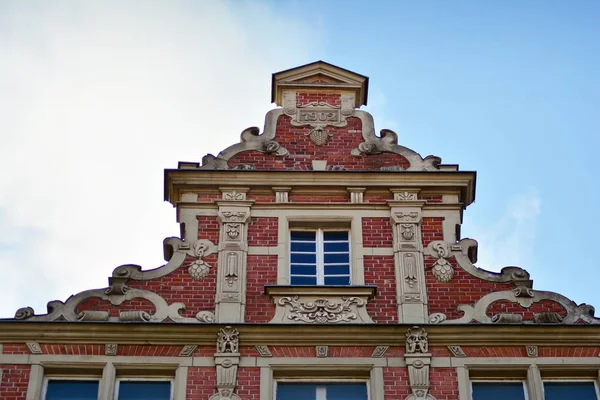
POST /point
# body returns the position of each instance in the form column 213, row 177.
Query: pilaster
column 234, row 214
column 406, row 214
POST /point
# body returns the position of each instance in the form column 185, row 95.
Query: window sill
column 321, row 304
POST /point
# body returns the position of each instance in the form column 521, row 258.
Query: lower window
column 321, row 391
column 498, row 390
column 143, row 389
column 560, row 390
column 71, row 389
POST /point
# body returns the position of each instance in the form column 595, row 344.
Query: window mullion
column 321, row 393
column 320, row 257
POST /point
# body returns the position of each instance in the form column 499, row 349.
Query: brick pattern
column 462, row 289
column 432, row 198
column 377, row 232
column 431, row 229
column 395, row 383
column 379, row 270
column 262, row 270
column 208, row 228
column 320, row 198
column 261, row 198
column 520, row 351
column 377, row 198
column 15, row 379
column 209, row 197
column 263, row 231
column 304, row 98
column 444, row 384
column 248, row 383
column 14, row 348
column 303, row 151
column 201, row 383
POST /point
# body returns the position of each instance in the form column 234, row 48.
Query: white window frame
column 320, row 390
column 523, row 383
column 320, row 252
column 574, row 380
column 90, row 378
column 142, row 379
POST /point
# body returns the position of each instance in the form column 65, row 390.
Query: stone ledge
column 321, row 304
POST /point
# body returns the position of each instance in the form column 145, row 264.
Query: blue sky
column 96, row 98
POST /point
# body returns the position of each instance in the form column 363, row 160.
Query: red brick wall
column 319, row 198
column 263, row 231
column 209, row 197
column 14, row 348
column 303, row 151
column 201, row 383
column 377, row 198
column 431, row 229
column 248, row 383
column 377, row 232
column 379, row 270
column 262, row 270
column 208, row 228
column 395, row 383
column 444, row 384
column 504, row 306
column 15, row 379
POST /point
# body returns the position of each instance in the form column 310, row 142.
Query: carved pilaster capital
column 406, row 215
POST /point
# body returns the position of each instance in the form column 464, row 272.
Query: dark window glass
column 335, row 235
column 498, row 391
column 333, row 246
column 569, row 390
column 336, row 258
column 346, row 391
column 303, row 280
column 303, row 246
column 304, row 269
column 296, row 391
column 302, row 258
column 72, row 390
column 333, row 391
column 144, row 390
column 337, row 280
column 337, row 270
column 304, row 235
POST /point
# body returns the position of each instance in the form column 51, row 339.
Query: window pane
column 337, row 270
column 347, row 391
column 335, row 235
column 304, row 270
column 303, row 280
column 498, row 391
column 296, row 391
column 302, row 258
column 304, row 235
column 343, row 258
column 301, row 246
column 569, row 390
column 72, row 390
column 144, row 390
column 337, row 280
column 333, row 246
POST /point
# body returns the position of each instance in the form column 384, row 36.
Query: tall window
column 498, row 390
column 322, row 391
column 319, row 257
column 561, row 390
column 143, row 390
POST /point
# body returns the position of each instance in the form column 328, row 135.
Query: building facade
column 318, row 260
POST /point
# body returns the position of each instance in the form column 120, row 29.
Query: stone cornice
column 299, row 335
column 178, row 180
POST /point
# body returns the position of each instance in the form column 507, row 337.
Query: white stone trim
column 106, row 388
column 36, row 382
column 180, row 383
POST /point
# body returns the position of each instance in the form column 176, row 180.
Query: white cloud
column 508, row 241
column 96, row 99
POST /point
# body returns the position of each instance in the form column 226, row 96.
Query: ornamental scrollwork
column 322, row 311
column 228, row 341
